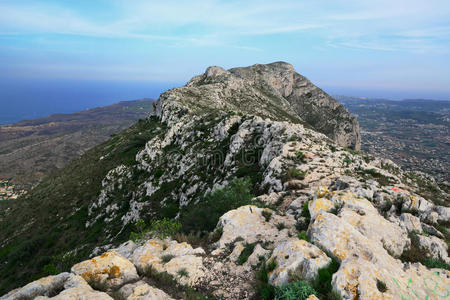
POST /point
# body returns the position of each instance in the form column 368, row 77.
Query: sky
column 384, row 48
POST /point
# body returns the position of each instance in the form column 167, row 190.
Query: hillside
column 230, row 191
column 33, row 149
column 413, row 133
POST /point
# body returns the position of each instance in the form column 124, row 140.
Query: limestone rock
column 59, row 287
column 410, row 222
column 248, row 223
column 296, row 260
column 185, row 263
column 142, row 291
column 433, row 246
column 42, row 287
column 110, row 270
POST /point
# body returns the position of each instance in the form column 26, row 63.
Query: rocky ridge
column 318, row 205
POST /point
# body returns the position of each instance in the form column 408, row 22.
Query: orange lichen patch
column 113, row 272
column 94, row 260
column 104, row 255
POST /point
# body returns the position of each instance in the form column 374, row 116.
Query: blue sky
column 396, row 47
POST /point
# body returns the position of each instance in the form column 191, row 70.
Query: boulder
column 109, row 270
column 410, row 222
column 296, row 260
column 184, row 263
column 59, row 287
column 142, row 291
column 247, row 222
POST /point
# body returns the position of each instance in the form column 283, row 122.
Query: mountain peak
column 274, row 91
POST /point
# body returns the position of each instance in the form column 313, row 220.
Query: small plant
column 164, row 228
column 300, row 156
column 141, row 229
column 158, row 173
column 337, row 208
column 246, row 252
column 294, row 173
column 280, row 226
column 183, row 273
column 166, row 258
column 435, row 263
column 267, row 215
column 322, row 283
column 263, row 288
column 204, row 215
column 298, row 290
column 303, row 236
column 305, row 211
column 381, row 286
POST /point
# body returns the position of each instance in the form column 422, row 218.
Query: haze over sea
column 30, row 98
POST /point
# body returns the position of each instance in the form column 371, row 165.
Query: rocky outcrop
column 272, row 91
column 319, row 208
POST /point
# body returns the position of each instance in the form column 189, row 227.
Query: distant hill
column 415, row 133
column 31, row 149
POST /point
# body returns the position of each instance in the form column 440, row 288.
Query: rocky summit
column 244, row 184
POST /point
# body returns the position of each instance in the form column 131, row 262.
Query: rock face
column 272, row 91
column 109, row 270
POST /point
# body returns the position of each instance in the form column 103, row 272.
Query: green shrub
column 164, row 228
column 298, row 290
column 204, row 215
column 381, row 286
column 337, row 208
column 183, row 273
column 303, row 236
column 159, row 228
column 166, row 258
column 159, row 173
column 267, row 215
column 322, row 283
column 264, row 290
column 246, row 252
column 435, row 263
column 300, row 156
column 294, row 173
column 280, row 226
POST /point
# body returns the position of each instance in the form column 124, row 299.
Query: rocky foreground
column 327, row 222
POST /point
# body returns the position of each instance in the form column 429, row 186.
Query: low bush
column 381, row 286
column 322, row 283
column 264, row 290
column 248, row 250
column 298, row 290
column 303, row 236
column 158, row 228
column 204, row 215
column 267, row 215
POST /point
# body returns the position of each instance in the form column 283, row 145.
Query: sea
column 31, row 99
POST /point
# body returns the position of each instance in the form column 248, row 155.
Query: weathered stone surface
column 41, row 287
column 63, row 286
column 364, row 259
column 185, row 263
column 410, row 223
column 110, row 270
column 142, row 291
column 248, row 223
column 434, row 247
column 296, row 260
